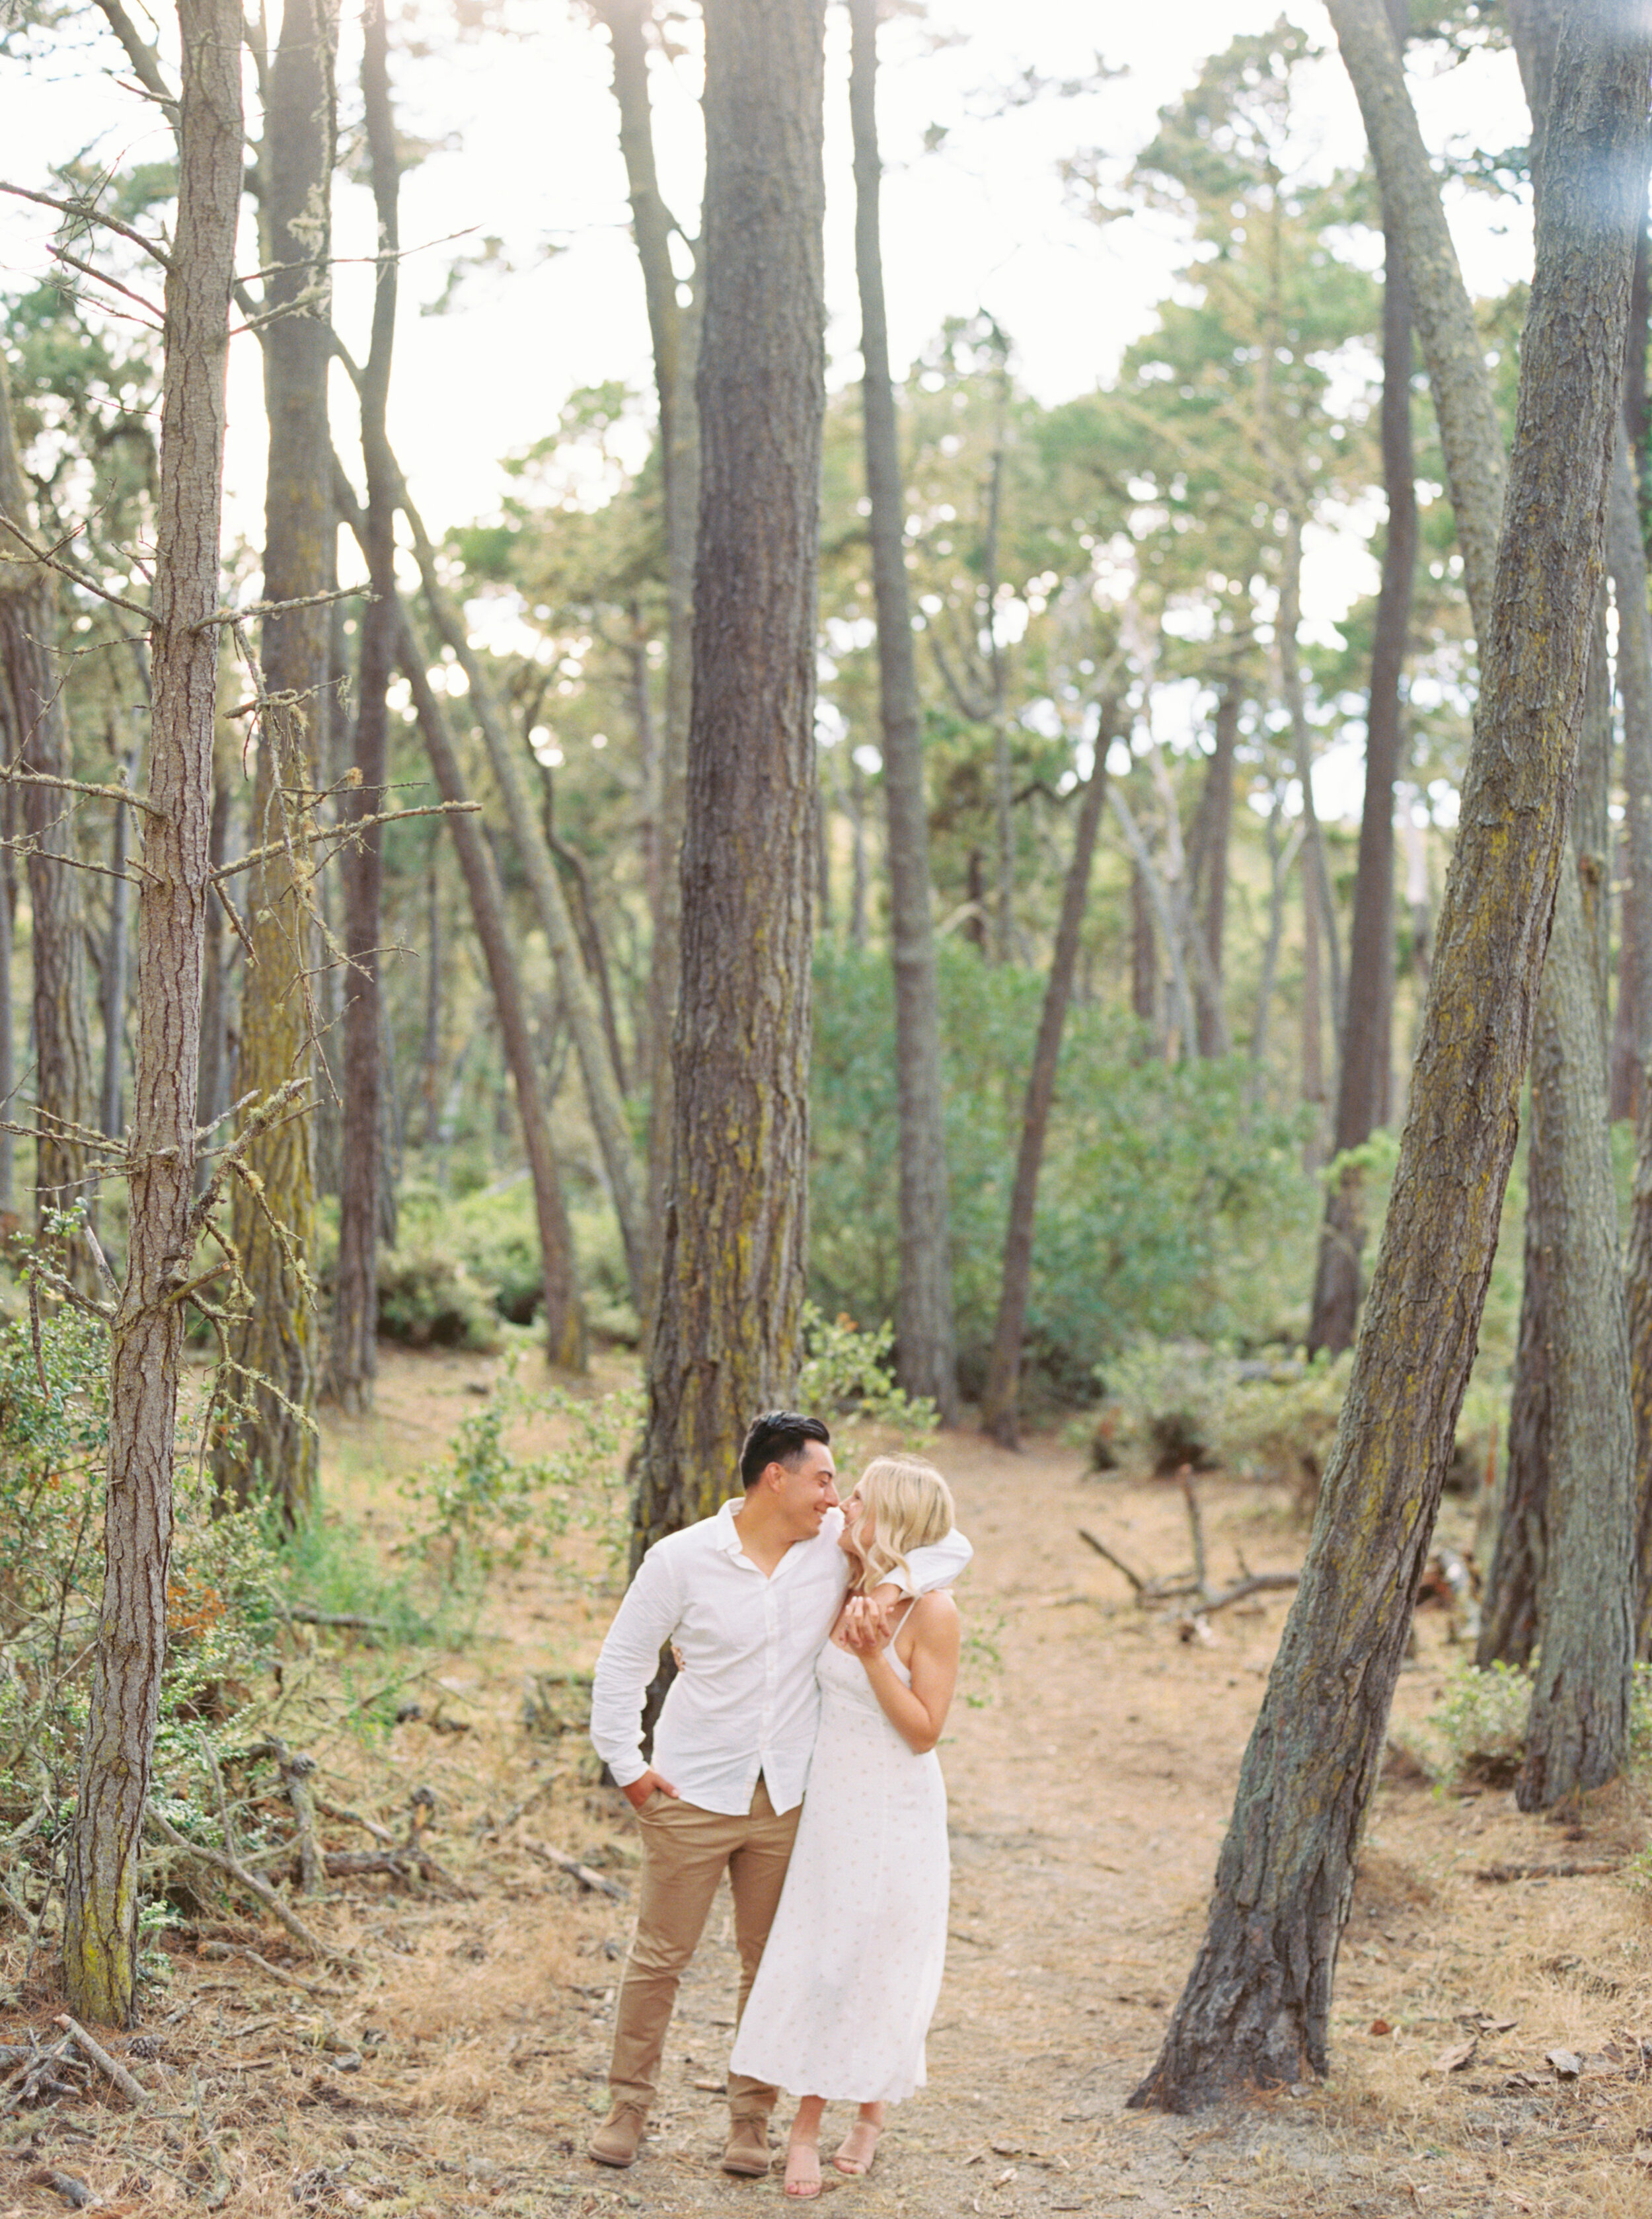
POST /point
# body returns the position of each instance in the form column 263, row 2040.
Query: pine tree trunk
column 999, row 1407
column 1366, row 1048
column 354, row 1359
column 114, row 1010
column 726, row 1340
column 1211, row 873
column 212, row 1098
column 101, row 1893
column 925, row 1345
column 31, row 699
column 275, row 1455
column 1256, row 2008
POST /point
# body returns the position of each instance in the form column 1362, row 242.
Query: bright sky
column 529, row 153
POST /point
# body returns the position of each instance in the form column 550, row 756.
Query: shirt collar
column 726, row 1533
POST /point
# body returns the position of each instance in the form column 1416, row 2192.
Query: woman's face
column 849, row 1539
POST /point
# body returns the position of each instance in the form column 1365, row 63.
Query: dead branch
column 562, row 1862
column 350, row 1619
column 1253, row 1583
column 1196, row 1528
column 296, row 1768
column 82, row 211
column 67, row 569
column 1585, row 1868
column 344, row 832
column 235, row 1870
column 221, row 1951
column 1117, row 1563
column 131, row 2089
column 344, row 1817
column 17, row 777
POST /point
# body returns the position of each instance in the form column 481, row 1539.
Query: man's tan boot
column 616, row 2139
column 746, row 2150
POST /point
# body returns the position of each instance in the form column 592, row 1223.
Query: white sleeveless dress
column 851, row 1968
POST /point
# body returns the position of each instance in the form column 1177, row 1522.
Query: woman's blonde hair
column 908, row 1506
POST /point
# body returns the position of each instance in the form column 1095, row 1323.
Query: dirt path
column 1090, row 1778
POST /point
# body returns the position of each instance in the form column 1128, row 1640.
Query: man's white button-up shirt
column 745, row 1701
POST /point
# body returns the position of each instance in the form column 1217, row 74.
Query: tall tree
column 726, row 1338
column 38, row 744
column 1256, row 2008
column 276, row 1453
column 1208, row 868
column 355, row 1325
column 101, row 1897
column 1000, row 1404
column 1362, row 1073
column 925, row 1350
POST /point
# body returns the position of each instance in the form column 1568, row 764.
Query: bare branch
column 84, row 212
column 346, row 832
column 76, row 577
column 80, row 785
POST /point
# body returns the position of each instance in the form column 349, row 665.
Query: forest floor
column 457, row 2064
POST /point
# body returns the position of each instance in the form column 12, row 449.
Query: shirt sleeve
column 940, row 1565
column 626, row 1665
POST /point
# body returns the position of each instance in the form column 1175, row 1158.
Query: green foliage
column 847, row 1374
column 483, row 1507
column 1478, row 1733
column 1170, row 1205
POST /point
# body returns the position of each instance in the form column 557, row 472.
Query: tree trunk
column 726, row 1340
column 212, row 1098
column 1313, row 1006
column 355, row 1324
column 114, row 1010
column 1316, row 871
column 674, row 330
column 925, row 1343
column 1363, row 1064
column 30, row 683
column 1256, row 2008
column 1628, row 556
column 101, row 1893
column 999, row 1407
column 275, row 1453
column 1211, row 870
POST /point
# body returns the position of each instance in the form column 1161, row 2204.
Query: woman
column 852, row 1967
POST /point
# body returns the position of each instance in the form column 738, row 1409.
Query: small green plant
column 483, row 1507
column 982, row 1666
column 846, row 1375
column 1478, row 1733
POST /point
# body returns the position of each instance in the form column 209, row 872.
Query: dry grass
column 460, row 2065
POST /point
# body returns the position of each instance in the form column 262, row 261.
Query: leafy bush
column 1478, row 1733
column 483, row 1507
column 847, row 1374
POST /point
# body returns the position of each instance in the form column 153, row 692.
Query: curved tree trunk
column 276, row 1454
column 101, row 1896
column 354, row 1361
column 1362, row 1072
column 925, row 1345
column 999, row 1408
column 726, row 1340
column 1256, row 2008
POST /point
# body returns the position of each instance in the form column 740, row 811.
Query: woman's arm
column 918, row 1712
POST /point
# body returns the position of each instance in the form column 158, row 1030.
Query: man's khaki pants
column 684, row 1851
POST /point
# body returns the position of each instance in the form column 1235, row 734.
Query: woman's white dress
column 852, row 1967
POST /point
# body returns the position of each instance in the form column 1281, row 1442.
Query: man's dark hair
column 778, row 1437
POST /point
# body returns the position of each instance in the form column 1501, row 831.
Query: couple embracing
column 817, row 1646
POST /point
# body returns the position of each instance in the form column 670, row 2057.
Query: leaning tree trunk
column 925, row 1345
column 999, row 1407
column 274, row 1453
column 354, row 1361
column 64, row 1092
column 726, row 1338
column 1256, row 2008
column 1363, row 1064
column 100, row 1930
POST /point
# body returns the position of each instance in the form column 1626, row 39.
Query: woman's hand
column 864, row 1626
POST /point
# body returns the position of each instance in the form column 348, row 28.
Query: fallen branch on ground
column 583, row 1874
column 1585, row 1868
column 131, row 2089
column 220, row 1950
column 235, row 1870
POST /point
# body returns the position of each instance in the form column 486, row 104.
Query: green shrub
column 847, row 1374
column 1478, row 1732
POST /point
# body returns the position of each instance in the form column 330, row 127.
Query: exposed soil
column 460, row 2065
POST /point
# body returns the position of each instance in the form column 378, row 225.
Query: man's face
column 807, row 1490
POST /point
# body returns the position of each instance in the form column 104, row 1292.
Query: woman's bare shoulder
column 936, row 1613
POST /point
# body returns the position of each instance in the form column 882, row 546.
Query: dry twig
column 132, row 2090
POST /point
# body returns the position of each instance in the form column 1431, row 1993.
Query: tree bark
column 275, row 1454
column 726, row 1338
column 211, row 1096
column 1000, row 1404
column 1363, row 1066
column 354, row 1361
column 1256, row 2008
column 31, row 695
column 100, row 1894
column 115, row 965
column 925, row 1343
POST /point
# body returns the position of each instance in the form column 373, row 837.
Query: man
column 747, row 1598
